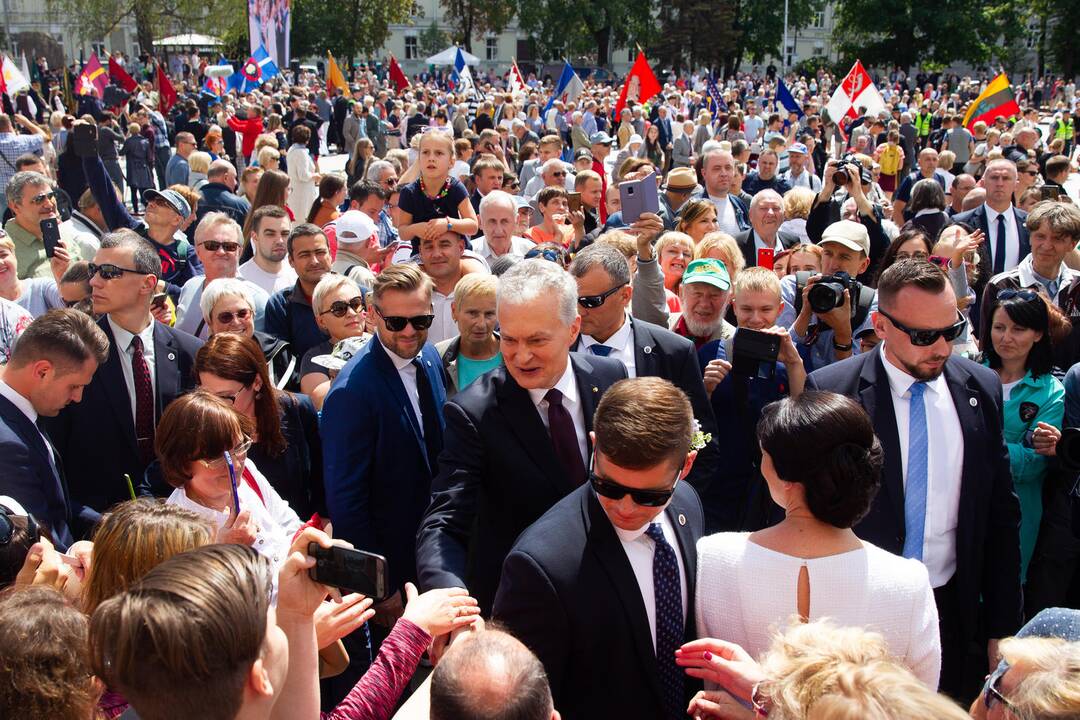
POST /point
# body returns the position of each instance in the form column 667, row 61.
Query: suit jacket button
column 682, row 519
column 647, row 349
column 973, row 402
column 172, row 356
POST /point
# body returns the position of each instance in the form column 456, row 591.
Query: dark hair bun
column 845, row 483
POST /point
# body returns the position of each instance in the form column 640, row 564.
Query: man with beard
column 947, row 494
column 704, row 294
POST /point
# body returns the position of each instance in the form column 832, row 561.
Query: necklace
column 443, row 191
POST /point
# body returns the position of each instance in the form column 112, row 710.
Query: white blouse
column 277, row 522
column 746, row 593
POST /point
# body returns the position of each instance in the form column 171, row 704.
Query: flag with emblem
column 997, row 100
column 92, row 79
column 714, row 100
column 641, row 84
column 167, row 96
column 256, row 70
column 515, row 83
column 854, row 93
column 568, row 89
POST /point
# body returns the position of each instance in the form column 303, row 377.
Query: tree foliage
column 576, row 30
column 432, row 40
column 348, row 28
column 470, row 18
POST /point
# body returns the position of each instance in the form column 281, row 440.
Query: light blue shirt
column 821, row 350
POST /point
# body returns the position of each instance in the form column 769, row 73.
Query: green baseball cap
column 708, row 270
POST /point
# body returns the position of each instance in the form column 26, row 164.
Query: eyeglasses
column 396, row 323
column 991, row 694
column 548, row 254
column 232, row 398
column 108, row 271
column 917, row 255
column 558, row 174
column 614, row 491
column 340, row 308
column 923, row 338
column 1025, row 295
column 1032, row 173
column 591, row 302
column 39, row 199
column 226, row 317
column 240, row 451
column 214, row 245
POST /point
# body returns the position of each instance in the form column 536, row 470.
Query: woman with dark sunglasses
column 1020, row 349
column 822, row 463
column 340, row 312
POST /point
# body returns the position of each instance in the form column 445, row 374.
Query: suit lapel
column 16, row 420
column 966, row 397
column 114, row 387
column 588, row 392
column 644, row 349
column 688, row 548
column 166, row 367
column 875, row 395
column 523, row 419
column 397, row 388
column 612, row 557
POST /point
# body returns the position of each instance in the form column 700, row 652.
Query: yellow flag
column 334, row 78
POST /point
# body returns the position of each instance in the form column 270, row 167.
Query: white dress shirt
column 760, row 244
column 567, row 385
column 126, row 351
column 1012, row 236
column 725, row 215
column 407, row 372
column 443, row 326
column 621, row 344
column 639, row 549
column 945, row 465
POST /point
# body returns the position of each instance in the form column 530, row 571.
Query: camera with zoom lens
column 840, row 175
column 828, row 292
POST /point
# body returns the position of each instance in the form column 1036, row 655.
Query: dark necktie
column 430, row 416
column 670, row 629
column 601, row 350
column 999, row 245
column 144, row 402
column 564, row 438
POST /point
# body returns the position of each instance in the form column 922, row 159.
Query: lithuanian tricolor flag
column 997, row 100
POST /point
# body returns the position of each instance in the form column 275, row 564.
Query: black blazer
column 976, row 218
column 749, row 248
column 498, row 473
column 658, row 352
column 27, row 475
column 568, row 591
column 987, row 533
column 96, row 437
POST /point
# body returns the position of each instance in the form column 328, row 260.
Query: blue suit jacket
column 27, row 475
column 376, row 470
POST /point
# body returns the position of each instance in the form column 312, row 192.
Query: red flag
column 166, row 92
column 641, row 84
column 397, row 76
column 120, row 76
column 92, row 78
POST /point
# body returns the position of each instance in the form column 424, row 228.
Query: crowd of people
column 798, row 441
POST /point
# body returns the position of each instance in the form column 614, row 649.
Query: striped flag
column 714, row 100
column 997, row 100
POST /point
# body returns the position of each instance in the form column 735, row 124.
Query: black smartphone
column 84, row 138
column 50, row 235
column 351, row 570
column 159, row 300
column 754, row 353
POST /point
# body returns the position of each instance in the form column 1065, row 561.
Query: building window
column 412, row 47
column 491, row 48
column 99, row 48
column 819, row 19
column 819, row 49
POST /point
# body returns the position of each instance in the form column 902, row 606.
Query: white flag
column 855, row 92
column 14, row 80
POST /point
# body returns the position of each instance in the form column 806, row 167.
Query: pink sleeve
column 377, row 693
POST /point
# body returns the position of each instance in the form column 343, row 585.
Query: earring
column 258, row 394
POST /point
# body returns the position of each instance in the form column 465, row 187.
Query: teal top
column 1033, row 400
column 469, row 370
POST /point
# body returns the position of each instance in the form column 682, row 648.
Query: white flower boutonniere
column 699, row 439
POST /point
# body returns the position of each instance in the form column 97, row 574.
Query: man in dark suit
column 607, row 330
column 110, row 433
column 55, row 358
column 516, row 440
column 947, row 496
column 382, row 430
column 606, row 577
column 766, row 214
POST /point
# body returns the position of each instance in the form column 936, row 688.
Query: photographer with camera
column 824, row 312
column 845, row 195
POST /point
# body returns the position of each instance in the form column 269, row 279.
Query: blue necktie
column 601, row 350
column 999, row 246
column 915, row 490
column 670, row 629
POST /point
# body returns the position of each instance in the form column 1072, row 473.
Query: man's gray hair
column 376, row 169
column 496, row 197
column 144, row 258
column 550, row 165
column 605, row 256
column 535, row 278
column 22, row 179
column 767, row 194
column 220, row 288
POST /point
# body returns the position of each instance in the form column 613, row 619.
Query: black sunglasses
column 215, row 245
column 7, row 526
column 1025, row 295
column 228, row 316
column 923, row 338
column 339, row 308
column 614, row 491
column 108, row 271
column 396, row 323
column 991, row 693
column 591, row 302
column 548, row 254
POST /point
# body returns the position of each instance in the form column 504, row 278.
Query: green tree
column 348, row 28
column 98, row 18
column 432, row 40
column 477, row 17
column 571, row 29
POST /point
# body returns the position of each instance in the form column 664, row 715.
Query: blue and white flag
column 463, row 79
column 568, row 88
column 785, row 98
column 258, row 69
column 715, row 103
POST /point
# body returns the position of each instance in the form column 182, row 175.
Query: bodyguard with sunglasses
column 947, row 494
column 606, row 578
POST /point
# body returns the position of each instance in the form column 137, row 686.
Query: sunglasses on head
column 548, row 254
column 614, row 491
column 991, row 692
column 591, row 302
column 7, row 526
column 228, row 316
column 339, row 308
column 108, row 271
column 397, row 323
column 923, row 338
column 214, row 245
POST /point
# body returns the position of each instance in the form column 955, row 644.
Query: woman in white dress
column 822, row 464
column 303, row 179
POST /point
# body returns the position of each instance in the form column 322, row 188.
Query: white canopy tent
column 447, row 57
column 188, row 40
